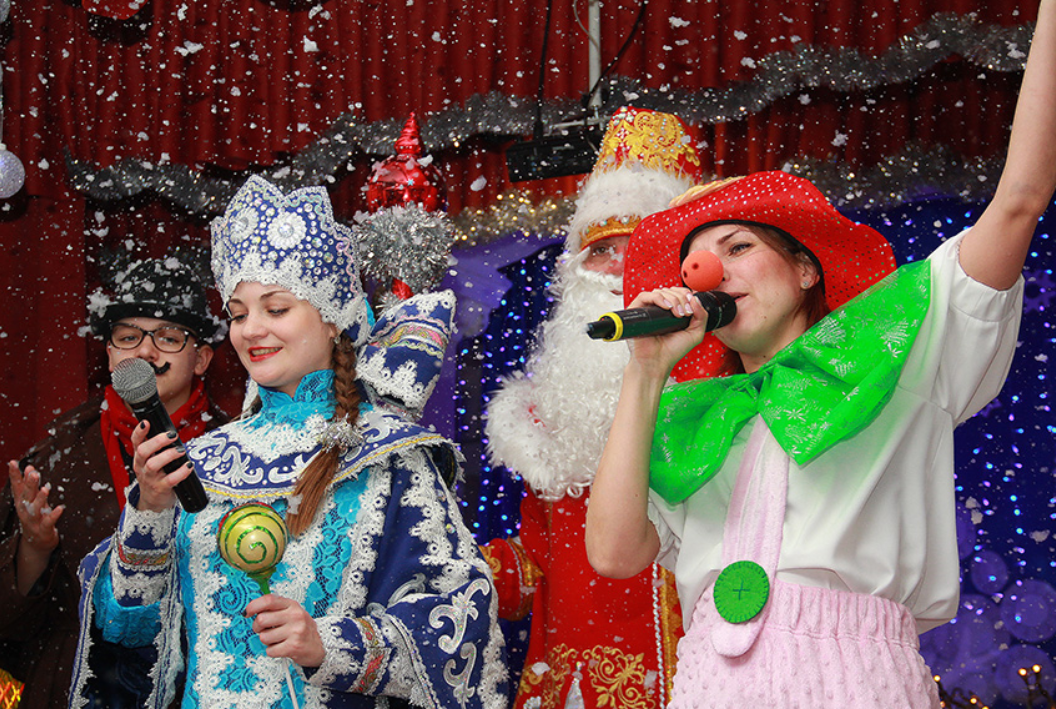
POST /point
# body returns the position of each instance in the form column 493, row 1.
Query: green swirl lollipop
column 252, row 538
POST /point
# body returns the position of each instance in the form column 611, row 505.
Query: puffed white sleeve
column 668, row 520
column 969, row 336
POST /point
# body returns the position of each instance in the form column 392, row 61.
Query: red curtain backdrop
column 231, row 85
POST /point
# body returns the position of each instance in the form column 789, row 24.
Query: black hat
column 165, row 289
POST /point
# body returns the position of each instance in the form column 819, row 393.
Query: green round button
column 741, row 591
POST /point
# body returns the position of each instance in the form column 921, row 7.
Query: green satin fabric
column 823, row 388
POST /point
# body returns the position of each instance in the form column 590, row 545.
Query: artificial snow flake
column 189, row 47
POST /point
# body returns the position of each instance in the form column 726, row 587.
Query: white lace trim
column 266, row 460
column 269, row 672
column 158, row 527
column 323, row 293
column 142, row 576
column 267, row 441
column 401, row 384
column 437, row 507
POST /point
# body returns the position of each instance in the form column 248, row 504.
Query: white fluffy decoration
column 549, row 424
column 628, row 191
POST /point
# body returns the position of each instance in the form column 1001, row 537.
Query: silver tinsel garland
column 844, row 70
column 497, row 115
column 914, row 173
column 513, row 212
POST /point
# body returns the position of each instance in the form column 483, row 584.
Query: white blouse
column 875, row 514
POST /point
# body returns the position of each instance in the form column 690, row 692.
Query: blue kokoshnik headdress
column 291, row 240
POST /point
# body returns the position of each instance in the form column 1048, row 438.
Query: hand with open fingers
column 286, row 630
column 664, row 351
column 152, row 454
column 36, row 517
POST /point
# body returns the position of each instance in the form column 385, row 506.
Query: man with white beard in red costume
column 594, row 641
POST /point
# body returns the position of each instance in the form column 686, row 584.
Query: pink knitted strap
column 754, row 526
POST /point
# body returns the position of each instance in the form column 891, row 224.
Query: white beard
column 549, row 423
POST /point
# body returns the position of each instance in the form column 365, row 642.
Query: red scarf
column 117, row 424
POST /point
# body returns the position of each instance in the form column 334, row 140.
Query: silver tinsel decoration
column 843, row 69
column 407, row 243
column 496, row 115
column 512, row 212
column 336, row 433
column 912, row 174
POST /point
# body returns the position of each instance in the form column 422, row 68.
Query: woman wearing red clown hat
column 799, row 478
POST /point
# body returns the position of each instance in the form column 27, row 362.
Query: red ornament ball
column 406, row 178
column 702, row 271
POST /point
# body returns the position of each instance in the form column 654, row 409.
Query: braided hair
column 316, row 478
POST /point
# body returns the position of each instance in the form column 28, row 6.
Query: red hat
column 852, row 256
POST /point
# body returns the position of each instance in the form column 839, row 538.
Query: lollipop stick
column 289, row 683
column 262, row 582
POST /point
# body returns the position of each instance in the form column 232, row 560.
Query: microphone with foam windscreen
column 701, row 271
column 135, row 382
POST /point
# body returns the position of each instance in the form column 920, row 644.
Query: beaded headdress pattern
column 646, row 159
column 291, row 240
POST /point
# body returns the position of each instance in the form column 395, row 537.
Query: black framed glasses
column 166, row 338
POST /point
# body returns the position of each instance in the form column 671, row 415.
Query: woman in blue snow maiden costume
column 381, row 598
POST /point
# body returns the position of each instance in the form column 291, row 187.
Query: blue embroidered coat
column 403, row 601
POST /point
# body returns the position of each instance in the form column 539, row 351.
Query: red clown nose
column 702, row 271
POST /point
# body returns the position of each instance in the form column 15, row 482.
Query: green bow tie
column 823, row 388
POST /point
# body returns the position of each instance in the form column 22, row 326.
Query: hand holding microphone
column 701, row 271
column 135, row 382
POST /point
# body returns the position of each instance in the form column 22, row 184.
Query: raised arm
column 994, row 251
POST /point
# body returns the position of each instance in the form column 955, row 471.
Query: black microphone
column 651, row 320
column 135, row 382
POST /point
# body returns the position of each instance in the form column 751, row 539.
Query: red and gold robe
column 595, row 642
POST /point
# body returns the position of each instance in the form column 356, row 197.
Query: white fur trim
column 549, row 424
column 629, row 191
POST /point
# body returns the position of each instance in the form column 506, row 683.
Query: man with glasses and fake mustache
column 156, row 311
